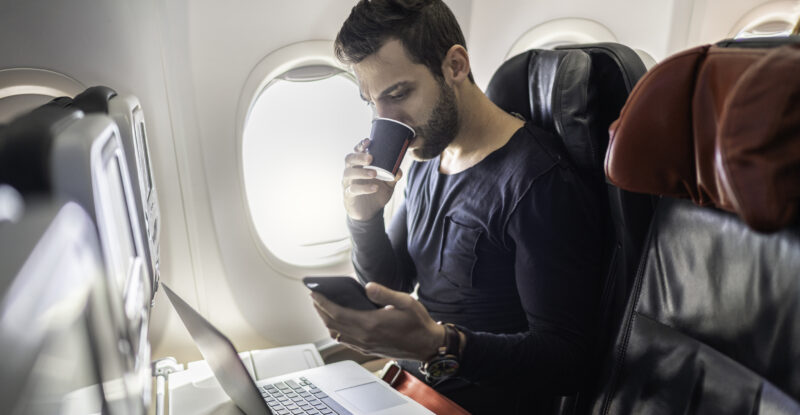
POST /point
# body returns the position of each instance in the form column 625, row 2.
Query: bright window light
column 295, row 140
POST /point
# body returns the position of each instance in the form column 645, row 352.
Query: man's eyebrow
column 386, row 91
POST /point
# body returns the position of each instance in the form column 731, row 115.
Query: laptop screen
column 221, row 356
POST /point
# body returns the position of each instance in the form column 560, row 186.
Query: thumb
column 385, row 296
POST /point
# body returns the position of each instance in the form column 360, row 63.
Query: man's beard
column 442, row 125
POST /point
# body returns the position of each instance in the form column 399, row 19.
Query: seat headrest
column 707, row 122
column 25, row 147
column 574, row 93
column 94, row 99
column 758, row 147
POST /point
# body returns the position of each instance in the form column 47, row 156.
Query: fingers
column 358, row 159
column 335, row 316
column 361, row 189
column 362, row 146
column 385, row 296
column 358, row 175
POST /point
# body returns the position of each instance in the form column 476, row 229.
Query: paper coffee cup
column 389, row 140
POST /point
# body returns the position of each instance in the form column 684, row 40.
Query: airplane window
column 778, row 27
column 558, row 32
column 295, row 138
column 775, row 18
column 23, row 89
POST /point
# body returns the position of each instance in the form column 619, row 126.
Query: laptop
column 342, row 388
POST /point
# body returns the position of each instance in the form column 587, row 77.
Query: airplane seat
column 56, row 151
column 127, row 112
column 711, row 326
column 25, row 145
column 94, row 99
column 60, row 354
column 575, row 92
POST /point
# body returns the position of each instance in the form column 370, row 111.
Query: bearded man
column 498, row 234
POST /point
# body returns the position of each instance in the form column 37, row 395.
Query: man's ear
column 455, row 65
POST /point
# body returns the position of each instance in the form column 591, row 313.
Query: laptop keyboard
column 294, row 397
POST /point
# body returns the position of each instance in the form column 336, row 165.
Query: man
column 497, row 229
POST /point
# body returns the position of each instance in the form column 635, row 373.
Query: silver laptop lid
column 221, row 356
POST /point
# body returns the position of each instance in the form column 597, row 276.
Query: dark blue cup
column 389, row 140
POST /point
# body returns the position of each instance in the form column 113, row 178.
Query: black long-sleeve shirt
column 510, row 250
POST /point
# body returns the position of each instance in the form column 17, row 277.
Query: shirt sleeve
column 383, row 257
column 557, row 236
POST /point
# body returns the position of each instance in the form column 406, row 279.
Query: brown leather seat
column 711, row 326
column 717, row 125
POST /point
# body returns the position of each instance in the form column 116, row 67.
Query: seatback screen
column 122, row 247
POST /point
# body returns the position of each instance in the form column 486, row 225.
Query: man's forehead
column 386, row 67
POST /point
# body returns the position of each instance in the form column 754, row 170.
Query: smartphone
column 342, row 290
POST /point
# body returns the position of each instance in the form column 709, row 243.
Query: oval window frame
column 574, row 30
column 764, row 13
column 273, row 66
column 36, row 81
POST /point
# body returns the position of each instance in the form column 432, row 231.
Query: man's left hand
column 402, row 329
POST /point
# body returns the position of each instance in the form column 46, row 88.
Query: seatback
column 712, row 322
column 575, row 92
column 127, row 112
column 56, row 151
column 89, row 166
column 26, row 144
column 61, row 348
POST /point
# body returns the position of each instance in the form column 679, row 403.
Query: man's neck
column 484, row 128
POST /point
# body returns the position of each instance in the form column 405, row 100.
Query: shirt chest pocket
column 457, row 256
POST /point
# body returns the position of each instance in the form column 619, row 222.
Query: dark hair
column 426, row 28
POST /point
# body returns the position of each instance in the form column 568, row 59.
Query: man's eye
column 397, row 97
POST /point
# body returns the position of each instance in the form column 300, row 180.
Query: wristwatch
column 445, row 363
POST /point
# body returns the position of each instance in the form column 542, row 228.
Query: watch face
column 443, row 367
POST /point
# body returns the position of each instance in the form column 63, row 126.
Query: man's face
column 408, row 92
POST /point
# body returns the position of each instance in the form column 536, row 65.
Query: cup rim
column 398, row 122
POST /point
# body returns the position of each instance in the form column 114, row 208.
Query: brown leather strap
column 419, row 391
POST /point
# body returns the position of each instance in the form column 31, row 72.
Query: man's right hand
column 364, row 195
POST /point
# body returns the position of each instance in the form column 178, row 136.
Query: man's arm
column 557, row 235
column 376, row 256
column 381, row 257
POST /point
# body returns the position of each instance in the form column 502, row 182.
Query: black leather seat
column 576, row 92
column 712, row 323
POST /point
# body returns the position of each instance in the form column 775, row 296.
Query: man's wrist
column 446, row 361
column 435, row 341
column 372, row 218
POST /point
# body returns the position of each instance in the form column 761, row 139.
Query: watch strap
column 452, row 341
column 448, row 352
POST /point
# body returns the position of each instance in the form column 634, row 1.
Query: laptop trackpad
column 370, row 397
